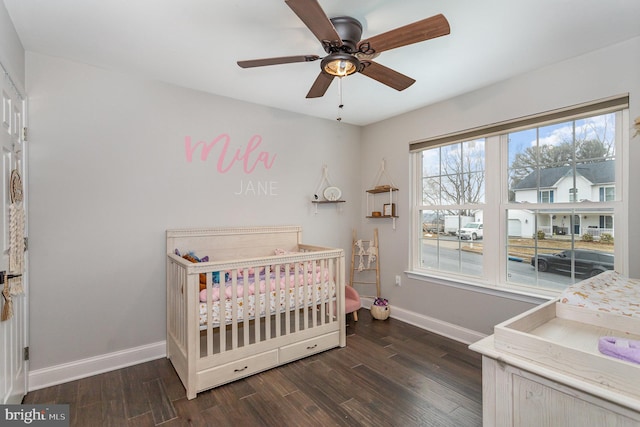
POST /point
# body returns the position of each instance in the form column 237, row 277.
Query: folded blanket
column 620, row 348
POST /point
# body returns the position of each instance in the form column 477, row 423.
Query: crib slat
column 222, row 330
column 287, row 302
column 256, row 295
column 313, row 295
column 245, row 311
column 267, row 304
column 324, row 291
column 320, row 290
column 209, row 284
column 234, row 309
column 298, row 286
column 306, row 308
column 276, row 305
column 330, row 307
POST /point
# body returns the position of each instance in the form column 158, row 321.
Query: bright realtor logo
column 34, row 415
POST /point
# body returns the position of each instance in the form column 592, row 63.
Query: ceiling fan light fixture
column 340, row 64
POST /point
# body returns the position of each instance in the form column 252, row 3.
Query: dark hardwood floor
column 389, row 374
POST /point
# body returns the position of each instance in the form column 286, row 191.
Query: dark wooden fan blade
column 275, row 61
column 310, row 12
column 426, row 29
column 386, row 75
column 320, row 86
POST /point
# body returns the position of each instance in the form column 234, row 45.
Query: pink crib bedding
column 275, row 298
column 274, row 283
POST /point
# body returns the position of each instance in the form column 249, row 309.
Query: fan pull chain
column 340, row 104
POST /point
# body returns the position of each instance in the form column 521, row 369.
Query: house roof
column 597, row 173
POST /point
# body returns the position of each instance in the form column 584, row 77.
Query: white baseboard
column 431, row 324
column 71, row 371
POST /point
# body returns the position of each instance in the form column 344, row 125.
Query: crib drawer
column 308, row 347
column 238, row 369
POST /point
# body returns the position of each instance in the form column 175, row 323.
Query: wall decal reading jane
column 250, row 158
column 261, row 188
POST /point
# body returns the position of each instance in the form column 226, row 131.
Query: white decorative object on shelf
column 330, row 193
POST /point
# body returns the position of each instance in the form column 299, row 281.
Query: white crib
column 254, row 309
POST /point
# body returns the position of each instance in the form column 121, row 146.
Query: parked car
column 471, row 231
column 587, row 263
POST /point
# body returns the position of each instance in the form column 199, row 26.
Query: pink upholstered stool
column 351, row 301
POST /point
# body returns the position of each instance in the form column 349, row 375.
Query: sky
column 600, row 127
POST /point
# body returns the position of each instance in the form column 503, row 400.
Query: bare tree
column 460, row 179
column 593, row 140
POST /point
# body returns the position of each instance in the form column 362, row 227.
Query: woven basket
column 380, row 312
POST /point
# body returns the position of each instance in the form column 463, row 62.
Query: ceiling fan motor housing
column 350, row 30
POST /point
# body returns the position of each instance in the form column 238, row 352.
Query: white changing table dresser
column 543, row 368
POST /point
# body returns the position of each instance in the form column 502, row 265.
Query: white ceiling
column 196, row 43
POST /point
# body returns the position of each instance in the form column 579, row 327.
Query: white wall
column 109, row 175
column 593, row 76
column 11, row 50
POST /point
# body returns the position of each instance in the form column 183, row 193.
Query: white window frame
column 573, row 195
column 496, row 206
column 604, row 192
column 607, row 220
column 549, row 194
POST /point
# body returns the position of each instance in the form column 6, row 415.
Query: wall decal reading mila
column 248, row 158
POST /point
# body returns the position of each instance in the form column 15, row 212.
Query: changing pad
column 609, row 291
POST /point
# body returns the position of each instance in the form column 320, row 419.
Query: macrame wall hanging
column 13, row 280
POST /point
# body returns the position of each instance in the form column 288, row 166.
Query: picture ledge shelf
column 327, row 201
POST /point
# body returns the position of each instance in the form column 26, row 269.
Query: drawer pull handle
column 311, row 347
column 240, row 370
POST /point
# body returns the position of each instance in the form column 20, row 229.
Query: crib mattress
column 275, row 301
column 609, row 292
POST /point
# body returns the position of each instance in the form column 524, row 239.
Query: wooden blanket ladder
column 365, row 258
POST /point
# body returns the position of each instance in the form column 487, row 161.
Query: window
column 573, row 194
column 452, row 186
column 528, row 205
column 545, row 196
column 607, row 194
column 606, row 223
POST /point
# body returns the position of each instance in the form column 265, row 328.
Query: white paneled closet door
column 14, row 326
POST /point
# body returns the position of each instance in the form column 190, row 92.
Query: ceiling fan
column 346, row 53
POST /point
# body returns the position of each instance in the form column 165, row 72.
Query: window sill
column 521, row 295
